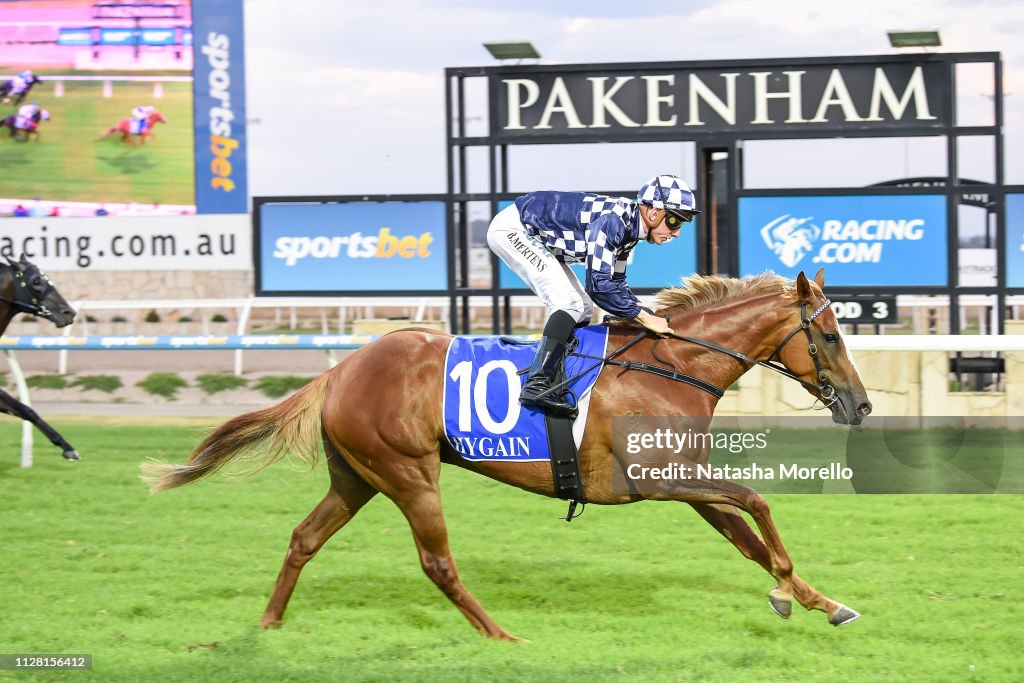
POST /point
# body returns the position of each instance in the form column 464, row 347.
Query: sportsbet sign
column 351, row 247
column 860, row 240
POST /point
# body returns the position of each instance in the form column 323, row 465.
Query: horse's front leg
column 727, row 520
column 12, row 406
column 713, row 498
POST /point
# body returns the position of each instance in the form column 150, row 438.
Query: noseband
column 825, row 390
column 25, row 300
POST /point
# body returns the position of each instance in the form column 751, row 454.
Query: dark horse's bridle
column 30, row 287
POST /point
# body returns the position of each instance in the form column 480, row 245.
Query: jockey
column 542, row 232
column 140, row 117
column 29, row 116
column 21, row 82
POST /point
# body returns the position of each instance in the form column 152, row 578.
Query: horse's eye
column 831, row 338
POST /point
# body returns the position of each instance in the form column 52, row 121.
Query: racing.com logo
column 790, row 238
column 357, row 245
column 836, row 241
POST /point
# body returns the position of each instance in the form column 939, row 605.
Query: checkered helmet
column 667, row 192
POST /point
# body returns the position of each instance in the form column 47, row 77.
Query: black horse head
column 33, row 293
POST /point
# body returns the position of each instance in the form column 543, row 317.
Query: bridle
column 26, row 297
column 826, row 392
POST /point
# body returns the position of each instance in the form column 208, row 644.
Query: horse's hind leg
column 423, row 510
column 348, row 493
column 411, row 482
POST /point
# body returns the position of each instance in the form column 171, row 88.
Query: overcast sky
column 349, row 95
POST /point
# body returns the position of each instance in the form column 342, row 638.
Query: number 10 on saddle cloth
column 483, row 419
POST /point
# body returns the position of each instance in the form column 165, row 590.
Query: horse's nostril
column 864, row 409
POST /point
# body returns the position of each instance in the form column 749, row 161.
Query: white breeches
column 550, row 279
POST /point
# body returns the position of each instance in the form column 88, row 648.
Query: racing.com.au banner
column 128, row 243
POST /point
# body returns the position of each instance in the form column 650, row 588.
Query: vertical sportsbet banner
column 650, row 266
column 351, row 247
column 1015, row 240
column 864, row 240
column 219, row 90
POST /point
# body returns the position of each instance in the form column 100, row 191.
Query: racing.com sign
column 866, row 240
column 352, row 247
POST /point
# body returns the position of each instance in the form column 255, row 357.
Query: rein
column 825, row 390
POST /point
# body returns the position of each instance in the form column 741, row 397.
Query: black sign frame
column 937, row 70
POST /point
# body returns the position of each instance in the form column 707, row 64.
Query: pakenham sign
column 637, row 101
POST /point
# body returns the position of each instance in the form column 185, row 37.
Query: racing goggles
column 675, row 219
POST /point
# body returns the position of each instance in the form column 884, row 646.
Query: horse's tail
column 262, row 436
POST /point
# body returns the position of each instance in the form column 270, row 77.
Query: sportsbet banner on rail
column 373, row 246
column 143, row 342
column 865, row 240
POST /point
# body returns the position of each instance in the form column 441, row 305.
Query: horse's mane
column 703, row 290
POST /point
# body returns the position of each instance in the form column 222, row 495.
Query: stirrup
column 551, row 404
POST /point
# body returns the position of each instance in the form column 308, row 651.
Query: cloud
column 361, row 85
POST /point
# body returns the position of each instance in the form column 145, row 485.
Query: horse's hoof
column 505, row 635
column 782, row 607
column 843, row 615
column 71, row 454
column 272, row 623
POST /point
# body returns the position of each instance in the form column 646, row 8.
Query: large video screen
column 99, row 108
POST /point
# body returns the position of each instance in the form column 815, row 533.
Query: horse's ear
column 803, row 288
column 819, row 277
column 23, row 259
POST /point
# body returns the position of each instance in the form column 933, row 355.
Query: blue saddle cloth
column 483, row 419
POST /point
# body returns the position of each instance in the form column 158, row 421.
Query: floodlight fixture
column 928, row 37
column 516, row 49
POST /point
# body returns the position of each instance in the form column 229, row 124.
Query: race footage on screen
column 96, row 108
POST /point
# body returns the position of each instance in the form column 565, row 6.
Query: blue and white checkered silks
column 597, row 205
column 570, row 246
column 605, row 259
column 667, row 192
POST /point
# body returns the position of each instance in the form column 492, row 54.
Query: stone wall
column 113, row 285
column 899, row 383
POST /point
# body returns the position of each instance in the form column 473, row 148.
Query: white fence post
column 26, row 426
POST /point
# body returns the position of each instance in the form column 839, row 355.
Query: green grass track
column 172, row 587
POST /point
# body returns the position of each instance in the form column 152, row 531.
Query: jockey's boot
column 541, row 377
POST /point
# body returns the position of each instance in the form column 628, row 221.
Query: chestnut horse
column 379, row 416
column 124, row 127
column 26, row 289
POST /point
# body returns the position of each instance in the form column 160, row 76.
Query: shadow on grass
column 132, row 160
